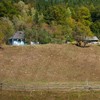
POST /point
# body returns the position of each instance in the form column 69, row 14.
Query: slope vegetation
column 50, row 63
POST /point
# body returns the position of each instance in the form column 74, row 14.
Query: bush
column 37, row 35
column 43, row 37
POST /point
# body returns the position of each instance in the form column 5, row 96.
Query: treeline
column 49, row 21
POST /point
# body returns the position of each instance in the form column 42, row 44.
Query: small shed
column 18, row 38
column 92, row 39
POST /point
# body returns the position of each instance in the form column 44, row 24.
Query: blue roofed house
column 17, row 39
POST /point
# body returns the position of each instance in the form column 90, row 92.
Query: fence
column 60, row 87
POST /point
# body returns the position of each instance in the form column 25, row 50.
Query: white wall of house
column 17, row 43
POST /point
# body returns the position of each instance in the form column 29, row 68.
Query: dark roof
column 18, row 35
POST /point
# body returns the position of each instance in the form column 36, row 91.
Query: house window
column 19, row 40
column 15, row 40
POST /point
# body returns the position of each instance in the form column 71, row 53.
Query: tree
column 7, row 9
column 84, row 15
column 43, row 36
column 58, row 13
column 80, row 33
column 95, row 27
column 25, row 18
column 6, row 29
column 95, row 14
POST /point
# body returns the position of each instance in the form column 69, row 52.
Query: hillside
column 49, row 21
column 50, row 63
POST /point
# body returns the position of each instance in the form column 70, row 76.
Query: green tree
column 95, row 27
column 43, row 36
column 6, row 29
column 95, row 15
column 7, row 9
column 37, row 35
column 59, row 14
column 84, row 15
column 81, row 32
column 25, row 18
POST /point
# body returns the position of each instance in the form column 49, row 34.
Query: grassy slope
column 49, row 63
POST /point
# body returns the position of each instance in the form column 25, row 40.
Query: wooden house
column 18, row 38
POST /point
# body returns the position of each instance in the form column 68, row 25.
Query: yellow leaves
column 84, row 15
column 22, row 6
column 71, row 22
column 33, row 12
column 84, row 12
column 68, row 12
column 6, row 29
column 84, row 30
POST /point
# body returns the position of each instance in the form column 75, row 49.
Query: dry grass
column 49, row 63
column 49, row 95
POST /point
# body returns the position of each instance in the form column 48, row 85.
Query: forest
column 49, row 21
